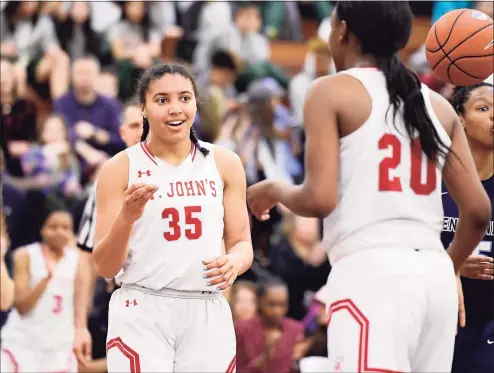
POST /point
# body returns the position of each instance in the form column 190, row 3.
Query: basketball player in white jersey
column 378, row 145
column 130, row 132
column 164, row 207
column 39, row 332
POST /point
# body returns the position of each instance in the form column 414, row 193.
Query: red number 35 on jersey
column 193, row 225
column 387, row 183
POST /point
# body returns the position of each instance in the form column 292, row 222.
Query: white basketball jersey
column 180, row 227
column 389, row 194
column 50, row 324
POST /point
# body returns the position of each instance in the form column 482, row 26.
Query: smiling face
column 170, row 107
column 478, row 117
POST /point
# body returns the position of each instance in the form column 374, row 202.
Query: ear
column 462, row 120
column 343, row 32
column 143, row 111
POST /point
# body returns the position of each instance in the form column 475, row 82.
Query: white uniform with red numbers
column 165, row 317
column 392, row 291
column 41, row 340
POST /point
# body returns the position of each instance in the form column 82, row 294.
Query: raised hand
column 135, row 199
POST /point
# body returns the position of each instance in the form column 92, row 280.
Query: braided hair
column 461, row 95
column 155, row 73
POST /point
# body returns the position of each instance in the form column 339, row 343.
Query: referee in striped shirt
column 130, row 132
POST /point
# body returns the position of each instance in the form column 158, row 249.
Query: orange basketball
column 459, row 47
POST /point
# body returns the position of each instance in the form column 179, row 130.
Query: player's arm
column 118, row 208
column 6, row 286
column 317, row 196
column 463, row 183
column 83, row 284
column 236, row 235
column 112, row 229
column 26, row 297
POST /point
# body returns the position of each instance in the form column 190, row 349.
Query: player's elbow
column 322, row 207
column 107, row 270
column 478, row 213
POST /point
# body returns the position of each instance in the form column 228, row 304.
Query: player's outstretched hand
column 220, row 272
column 83, row 346
column 260, row 200
column 478, row 267
column 135, row 199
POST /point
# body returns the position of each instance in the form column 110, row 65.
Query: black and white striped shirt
column 87, row 226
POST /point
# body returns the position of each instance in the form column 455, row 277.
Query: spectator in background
column 135, row 43
column 52, row 160
column 243, row 300
column 267, row 343
column 107, row 83
column 281, row 20
column 92, row 119
column 299, row 259
column 75, row 33
column 318, row 62
column 31, row 40
column 242, row 38
column 17, row 120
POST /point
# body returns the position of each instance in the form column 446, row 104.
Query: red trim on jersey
column 233, row 364
column 146, row 151
column 135, row 364
column 193, row 151
column 359, row 317
column 12, row 359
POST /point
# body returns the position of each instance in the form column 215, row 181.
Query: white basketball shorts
column 169, row 331
column 392, row 310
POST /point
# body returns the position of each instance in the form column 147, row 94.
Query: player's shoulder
column 443, row 110
column 22, row 255
column 228, row 163
column 341, row 88
column 115, row 169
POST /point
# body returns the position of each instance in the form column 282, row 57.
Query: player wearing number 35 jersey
column 377, row 147
column 165, row 206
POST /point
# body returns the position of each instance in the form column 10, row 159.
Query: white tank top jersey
column 180, row 227
column 389, row 194
column 50, row 324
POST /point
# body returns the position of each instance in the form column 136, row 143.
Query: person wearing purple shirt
column 93, row 120
column 474, row 346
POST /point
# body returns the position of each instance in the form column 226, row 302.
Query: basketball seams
column 449, row 35
column 457, row 45
column 463, row 71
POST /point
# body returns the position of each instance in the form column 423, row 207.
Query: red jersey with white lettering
column 389, row 192
column 50, row 324
column 182, row 224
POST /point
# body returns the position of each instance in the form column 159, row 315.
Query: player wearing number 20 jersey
column 377, row 147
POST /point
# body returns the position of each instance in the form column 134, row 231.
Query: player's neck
column 484, row 161
column 52, row 254
column 173, row 154
column 361, row 61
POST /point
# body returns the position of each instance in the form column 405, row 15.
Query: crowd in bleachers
column 68, row 69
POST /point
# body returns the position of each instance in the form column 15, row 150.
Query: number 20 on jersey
column 393, row 184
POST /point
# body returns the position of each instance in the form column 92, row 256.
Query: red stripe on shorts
column 233, row 364
column 135, row 364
